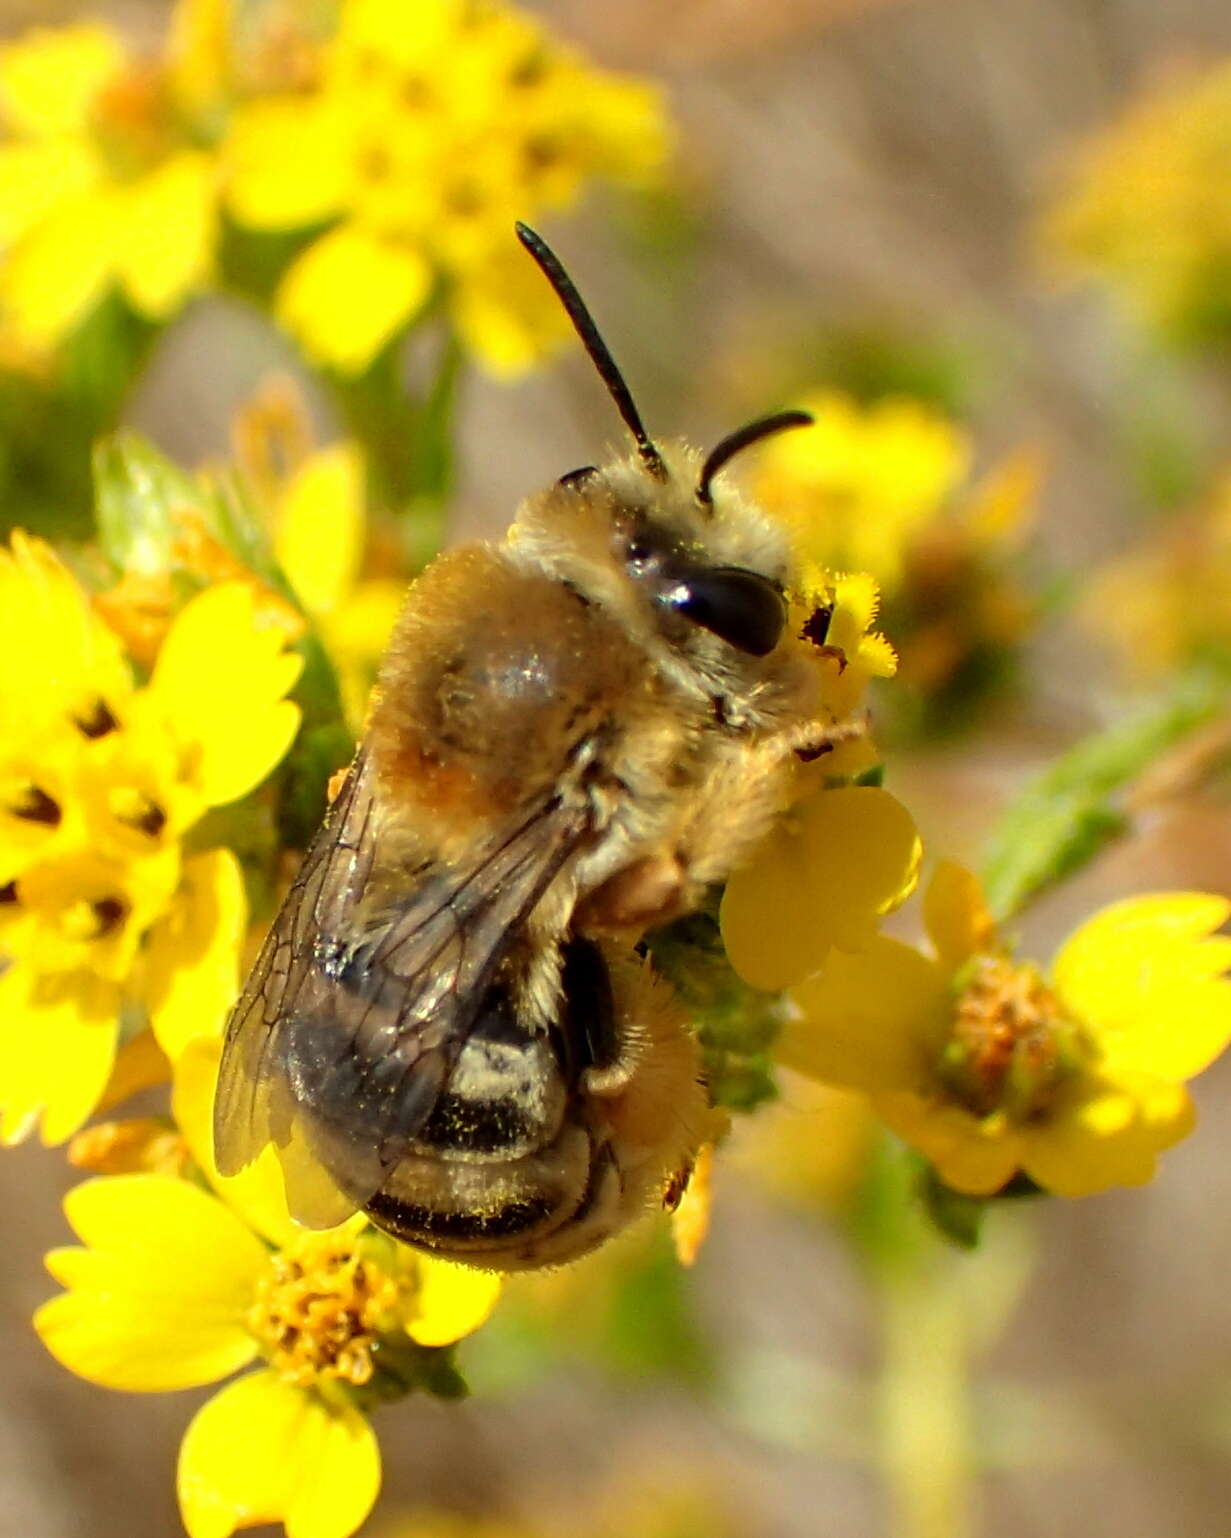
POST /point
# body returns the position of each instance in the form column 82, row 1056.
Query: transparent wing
column 350, row 1022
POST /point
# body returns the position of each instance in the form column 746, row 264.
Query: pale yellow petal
column 973, row 1156
column 956, row 918
column 160, row 1293
column 823, row 878
column 350, row 294
column 506, row 316
column 191, row 963
column 263, row 1451
column 257, row 1192
column 868, row 1019
column 1104, row 1134
column 167, row 234
column 451, row 1301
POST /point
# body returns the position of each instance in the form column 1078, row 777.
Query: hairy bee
column 575, row 732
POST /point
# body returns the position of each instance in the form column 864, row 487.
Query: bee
column 576, row 732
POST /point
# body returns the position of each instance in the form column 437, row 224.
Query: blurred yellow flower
column 175, row 1287
column 1168, row 600
column 988, row 1068
column 106, row 178
column 418, row 147
column 859, row 484
column 106, row 923
column 885, row 489
column 315, row 502
column 1147, row 206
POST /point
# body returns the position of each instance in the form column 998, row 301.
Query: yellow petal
column 350, row 294
column 1146, row 979
column 167, row 234
column 504, row 317
column 45, row 613
column 868, row 1019
column 288, row 162
column 1104, row 1134
column 263, row 1451
column 160, row 1293
column 823, row 878
column 976, row 1157
column 36, row 176
column 57, row 1047
column 61, row 270
column 140, row 1064
column 451, row 1301
column 218, row 684
column 257, row 1192
column 191, row 974
column 957, row 921
column 320, row 527
column 50, row 80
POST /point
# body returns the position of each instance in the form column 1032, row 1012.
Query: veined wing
column 348, row 1026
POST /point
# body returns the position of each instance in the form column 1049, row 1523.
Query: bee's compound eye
column 578, row 477
column 740, row 607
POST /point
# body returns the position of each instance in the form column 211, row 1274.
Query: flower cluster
column 109, row 922
column 396, row 157
column 1146, row 208
column 106, row 176
column 993, row 1070
column 1167, row 601
column 417, row 147
column 178, row 1285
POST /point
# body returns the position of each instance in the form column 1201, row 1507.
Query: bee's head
column 656, row 536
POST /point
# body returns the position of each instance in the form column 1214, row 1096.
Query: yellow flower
column 1168, row 600
column 174, row 1288
column 991, row 1069
column 858, row 485
column 106, row 178
column 315, row 502
column 105, row 923
column 884, row 488
column 845, row 854
column 418, row 147
column 1147, row 207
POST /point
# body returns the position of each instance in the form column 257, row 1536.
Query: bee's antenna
column 742, row 438
column 593, row 343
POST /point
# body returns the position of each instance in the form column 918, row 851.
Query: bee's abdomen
column 504, row 1098
column 543, row 1209
column 503, row 1162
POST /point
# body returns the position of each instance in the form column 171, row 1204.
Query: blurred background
column 861, row 205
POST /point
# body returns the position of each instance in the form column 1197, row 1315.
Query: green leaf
column 136, row 491
column 1070, row 812
column 735, row 1024
column 956, row 1217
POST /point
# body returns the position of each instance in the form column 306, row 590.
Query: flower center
column 1011, row 1044
column 320, row 1309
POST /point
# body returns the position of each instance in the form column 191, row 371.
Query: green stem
column 1065, row 816
column 925, row 1419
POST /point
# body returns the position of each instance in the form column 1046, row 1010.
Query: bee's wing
column 348, row 1026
